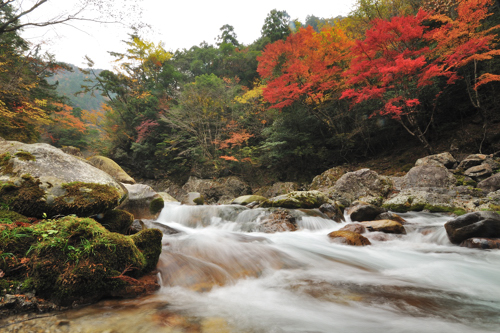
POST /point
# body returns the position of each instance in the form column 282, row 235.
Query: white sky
column 179, row 24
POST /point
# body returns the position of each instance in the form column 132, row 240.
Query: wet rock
column 359, row 185
column 143, row 202
column 248, row 199
column 165, row 229
column 297, row 200
column 473, row 225
column 43, row 181
column 445, row 159
column 362, row 212
column 354, row 227
column 481, row 243
column 479, row 172
column 167, row 197
column 145, row 285
column 348, row 238
column 386, row 226
column 333, row 212
column 112, row 168
column 278, row 221
column 193, row 199
column 490, row 184
column 391, row 216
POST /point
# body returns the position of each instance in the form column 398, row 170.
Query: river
column 219, row 275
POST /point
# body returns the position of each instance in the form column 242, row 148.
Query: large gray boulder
column 478, row 224
column 426, row 176
column 40, row 180
column 364, row 185
column 327, row 179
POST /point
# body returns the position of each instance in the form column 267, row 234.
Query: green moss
column 117, row 220
column 398, row 208
column 462, row 180
column 6, row 165
column 297, row 200
column 7, row 216
column 156, row 205
column 149, row 243
column 199, row 201
column 25, row 156
column 77, row 258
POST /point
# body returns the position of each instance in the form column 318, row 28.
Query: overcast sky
column 179, row 24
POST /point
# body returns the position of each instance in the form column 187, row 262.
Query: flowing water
column 220, row 275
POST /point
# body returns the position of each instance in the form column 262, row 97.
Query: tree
column 228, row 36
column 307, row 67
column 104, row 11
column 276, row 25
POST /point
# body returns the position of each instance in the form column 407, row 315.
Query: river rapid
column 219, row 275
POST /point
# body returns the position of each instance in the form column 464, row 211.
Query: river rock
column 167, row 197
column 247, row 199
column 143, row 202
column 387, row 226
column 278, row 221
column 391, row 216
column 278, row 188
column 444, row 159
column 354, row 227
column 222, row 190
column 471, row 161
column 481, row 243
column 490, row 184
column 365, row 185
column 426, row 176
column 327, row 179
column 348, row 238
column 479, row 172
column 477, row 224
column 297, row 200
column 332, row 211
column 112, row 168
column 364, row 212
column 40, row 180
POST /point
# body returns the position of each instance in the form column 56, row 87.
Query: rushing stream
column 218, row 275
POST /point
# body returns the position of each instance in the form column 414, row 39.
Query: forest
column 302, row 98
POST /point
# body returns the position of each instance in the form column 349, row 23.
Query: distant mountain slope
column 70, row 83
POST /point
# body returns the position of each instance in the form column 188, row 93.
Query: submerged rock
column 278, row 221
column 481, row 243
column 348, row 238
column 473, row 225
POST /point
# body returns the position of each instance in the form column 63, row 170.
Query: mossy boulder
column 38, row 180
column 432, row 200
column 116, row 220
column 297, row 200
column 77, row 259
column 327, row 179
column 247, row 199
column 348, row 238
column 112, row 168
column 8, row 216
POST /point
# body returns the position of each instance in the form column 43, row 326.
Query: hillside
column 70, row 82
